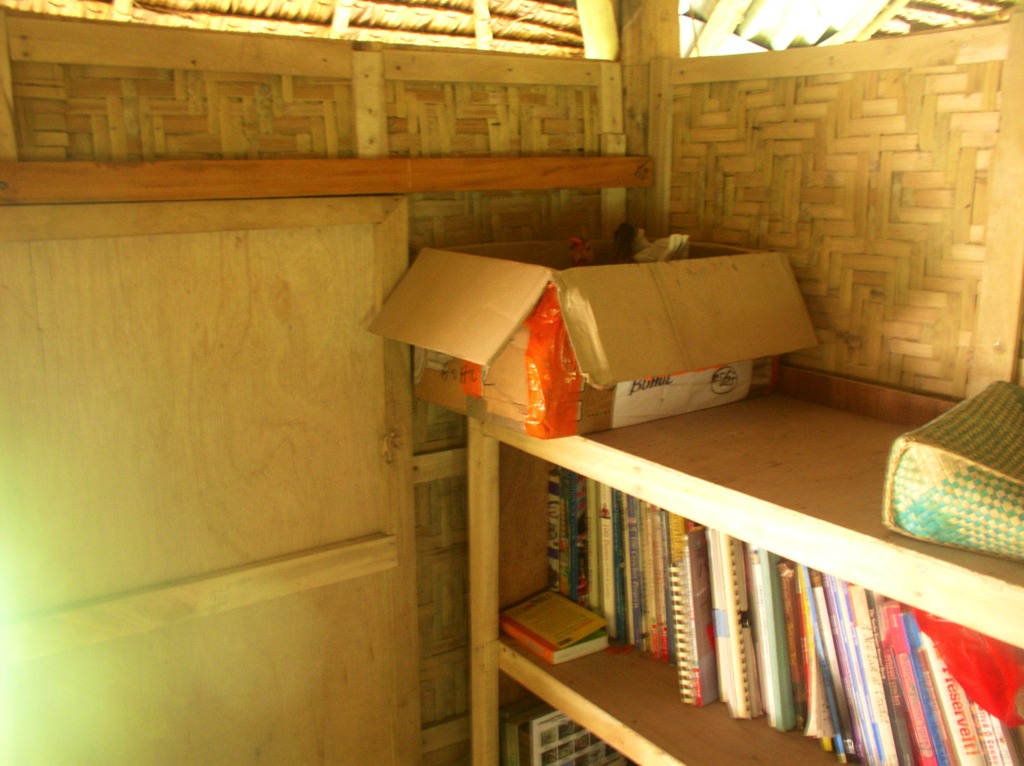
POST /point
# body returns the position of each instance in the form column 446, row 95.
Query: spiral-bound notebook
column 690, row 578
column 734, row 638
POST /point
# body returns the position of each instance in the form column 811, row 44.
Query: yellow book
column 554, row 625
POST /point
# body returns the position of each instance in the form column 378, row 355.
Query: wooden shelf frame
column 799, row 478
column 178, row 180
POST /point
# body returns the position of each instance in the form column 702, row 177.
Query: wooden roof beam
column 894, row 7
column 858, row 23
column 482, row 25
column 721, row 23
column 341, row 18
column 600, row 29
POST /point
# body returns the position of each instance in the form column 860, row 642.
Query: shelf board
column 632, row 703
column 803, row 480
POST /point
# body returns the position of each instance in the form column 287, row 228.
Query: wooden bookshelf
column 634, row 703
column 800, row 478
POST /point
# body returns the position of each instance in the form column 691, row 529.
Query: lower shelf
column 633, row 704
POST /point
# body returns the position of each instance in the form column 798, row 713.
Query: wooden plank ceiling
column 542, row 27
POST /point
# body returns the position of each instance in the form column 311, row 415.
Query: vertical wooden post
column 8, row 139
column 650, row 31
column 370, row 112
column 998, row 329
column 613, row 143
column 483, row 586
column 659, row 146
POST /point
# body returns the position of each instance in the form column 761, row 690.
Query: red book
column 894, row 643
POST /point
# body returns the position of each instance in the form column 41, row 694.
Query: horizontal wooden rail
column 438, row 465
column 973, row 44
column 153, row 608
column 57, row 182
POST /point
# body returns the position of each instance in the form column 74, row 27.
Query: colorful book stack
column 555, row 628
column 769, row 636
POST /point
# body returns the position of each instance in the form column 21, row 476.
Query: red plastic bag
column 990, row 671
column 553, row 378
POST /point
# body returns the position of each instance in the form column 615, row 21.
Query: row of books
column 768, row 636
column 535, row 734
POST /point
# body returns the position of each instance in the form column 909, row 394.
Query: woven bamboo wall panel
column 443, row 618
column 66, row 112
column 875, row 183
column 453, row 119
column 444, row 686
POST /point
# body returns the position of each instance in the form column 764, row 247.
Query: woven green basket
column 959, row 479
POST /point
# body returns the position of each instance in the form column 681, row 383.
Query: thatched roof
column 540, row 27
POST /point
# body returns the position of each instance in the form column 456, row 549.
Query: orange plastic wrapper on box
column 471, row 376
column 553, row 378
column 991, row 672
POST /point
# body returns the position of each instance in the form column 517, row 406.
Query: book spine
column 554, row 527
column 636, row 581
column 732, row 630
column 581, row 540
column 819, row 722
column 924, row 684
column 793, row 620
column 993, row 740
column 778, row 642
column 684, row 641
column 836, row 673
column 660, row 568
column 666, row 553
column 954, row 708
column 594, row 589
column 762, row 626
column 619, row 553
column 719, row 586
column 819, row 717
column 701, row 629
column 822, row 640
column 894, row 642
column 852, row 661
column 746, row 623
column 651, row 584
column 527, row 638
column 607, row 577
column 866, row 624
column 570, row 525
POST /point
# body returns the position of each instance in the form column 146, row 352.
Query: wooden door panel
column 192, row 426
column 293, row 680
column 195, row 389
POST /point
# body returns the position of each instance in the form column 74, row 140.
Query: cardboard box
column 508, row 334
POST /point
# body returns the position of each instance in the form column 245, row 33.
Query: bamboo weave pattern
column 875, row 183
column 66, row 112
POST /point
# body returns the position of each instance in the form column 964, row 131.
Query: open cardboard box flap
column 625, row 321
column 467, row 306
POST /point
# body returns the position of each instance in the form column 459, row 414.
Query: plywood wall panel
column 161, row 402
column 288, row 681
column 175, row 404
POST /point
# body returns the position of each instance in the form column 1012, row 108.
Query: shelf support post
column 482, row 489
